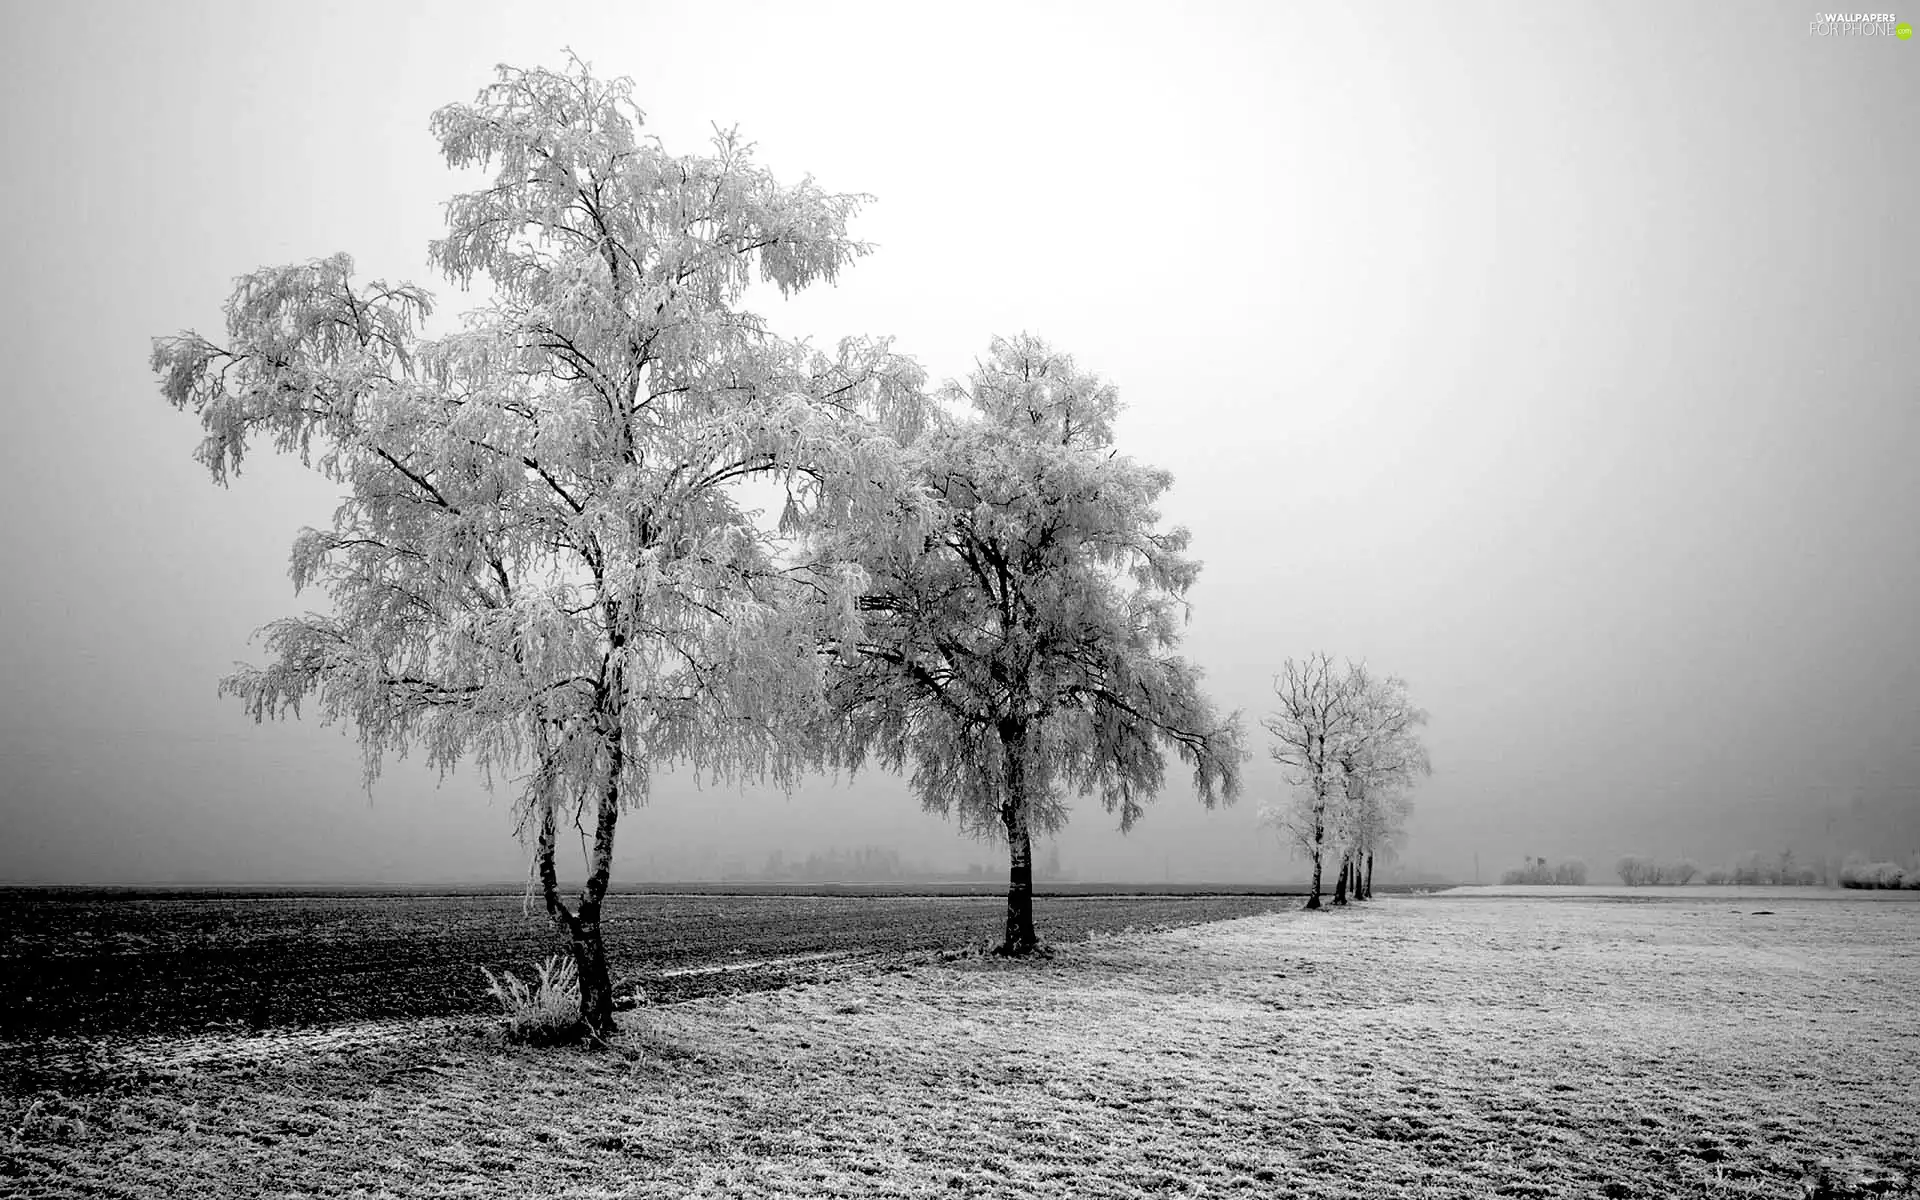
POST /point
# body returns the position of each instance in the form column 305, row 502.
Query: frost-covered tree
column 542, row 559
column 1299, row 822
column 1379, row 755
column 1379, row 828
column 1349, row 743
column 1314, row 714
column 1018, row 640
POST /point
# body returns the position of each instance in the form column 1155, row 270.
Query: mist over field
column 1557, row 359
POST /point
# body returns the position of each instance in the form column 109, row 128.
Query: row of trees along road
column 1349, row 744
column 543, row 563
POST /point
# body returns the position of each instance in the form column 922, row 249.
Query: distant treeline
column 878, row 864
column 1769, row 870
column 1753, row 869
column 1573, row 873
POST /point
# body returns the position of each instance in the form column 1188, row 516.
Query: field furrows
column 134, row 966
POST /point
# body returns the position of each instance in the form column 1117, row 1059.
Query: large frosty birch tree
column 1017, row 643
column 541, row 560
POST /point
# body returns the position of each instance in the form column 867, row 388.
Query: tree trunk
column 1020, row 936
column 581, row 925
column 590, row 953
column 1319, row 832
column 1340, row 886
column 596, row 981
column 1369, row 874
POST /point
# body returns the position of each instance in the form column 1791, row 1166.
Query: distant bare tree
column 1379, row 755
column 1350, row 743
column 1313, row 712
column 1379, row 829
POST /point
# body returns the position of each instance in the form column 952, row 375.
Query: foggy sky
column 1558, row 358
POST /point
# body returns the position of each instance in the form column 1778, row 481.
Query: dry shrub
column 545, row 1012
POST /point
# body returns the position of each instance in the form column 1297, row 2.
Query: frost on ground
column 1416, row 1047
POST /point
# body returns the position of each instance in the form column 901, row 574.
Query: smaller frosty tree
column 1350, row 746
column 1379, row 755
column 542, row 559
column 1018, row 635
column 1313, row 713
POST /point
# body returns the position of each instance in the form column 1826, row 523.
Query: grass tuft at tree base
column 545, row 1012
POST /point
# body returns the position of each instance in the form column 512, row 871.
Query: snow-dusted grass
column 1411, row 1047
column 542, row 1012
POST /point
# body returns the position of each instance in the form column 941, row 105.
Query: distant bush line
column 1859, row 873
column 1751, row 870
column 1635, row 871
column 1572, row 873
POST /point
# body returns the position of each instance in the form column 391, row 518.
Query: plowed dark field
column 133, row 964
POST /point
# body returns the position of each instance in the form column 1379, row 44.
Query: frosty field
column 115, row 964
column 1434, row 1046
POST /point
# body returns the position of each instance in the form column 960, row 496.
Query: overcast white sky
column 1560, row 358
